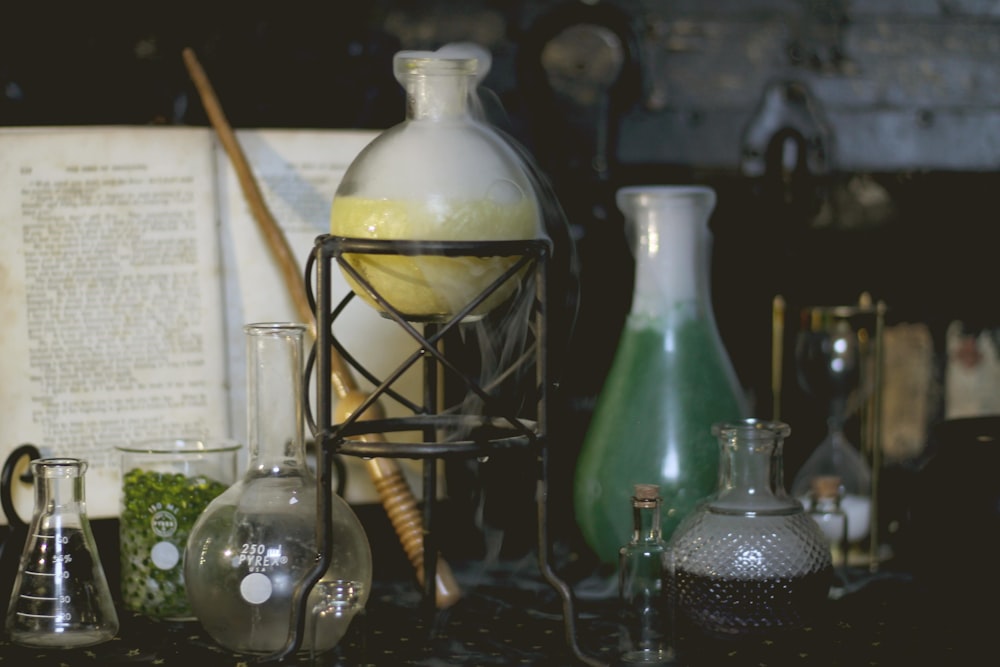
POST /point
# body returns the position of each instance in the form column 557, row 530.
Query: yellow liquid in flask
column 433, row 288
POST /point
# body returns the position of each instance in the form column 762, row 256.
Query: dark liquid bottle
column 749, row 564
column 766, row 606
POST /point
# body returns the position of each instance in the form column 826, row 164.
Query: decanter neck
column 751, row 471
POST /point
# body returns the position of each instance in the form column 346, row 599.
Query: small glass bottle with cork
column 645, row 624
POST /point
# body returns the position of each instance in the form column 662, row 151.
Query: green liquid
column 652, row 424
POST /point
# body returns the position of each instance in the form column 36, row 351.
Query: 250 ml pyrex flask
column 257, row 540
column 748, row 561
column 443, row 174
column 60, row 597
column 670, row 378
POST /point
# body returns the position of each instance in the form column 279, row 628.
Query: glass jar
column 670, row 379
column 749, row 561
column 443, row 174
column 256, row 542
column 166, row 484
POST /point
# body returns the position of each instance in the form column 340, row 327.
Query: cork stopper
column 647, row 491
column 826, row 486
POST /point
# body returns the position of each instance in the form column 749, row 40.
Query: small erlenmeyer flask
column 60, row 596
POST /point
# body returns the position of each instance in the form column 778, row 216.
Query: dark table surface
column 510, row 616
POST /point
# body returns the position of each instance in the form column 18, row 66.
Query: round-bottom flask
column 442, row 174
column 256, row 541
column 749, row 561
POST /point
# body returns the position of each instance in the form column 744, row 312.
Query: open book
column 129, row 263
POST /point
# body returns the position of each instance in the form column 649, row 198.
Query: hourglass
column 837, row 355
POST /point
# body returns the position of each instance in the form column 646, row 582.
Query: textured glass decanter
column 749, row 561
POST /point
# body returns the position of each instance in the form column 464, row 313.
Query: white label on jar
column 255, row 588
column 165, row 555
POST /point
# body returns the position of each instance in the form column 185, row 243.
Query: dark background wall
column 854, row 145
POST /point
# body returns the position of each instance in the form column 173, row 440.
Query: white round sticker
column 255, row 588
column 165, row 555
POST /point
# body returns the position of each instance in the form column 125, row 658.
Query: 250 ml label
column 261, row 557
column 256, row 587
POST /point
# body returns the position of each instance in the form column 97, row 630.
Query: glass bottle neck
column 437, row 88
column 646, row 520
column 59, row 485
column 751, row 472
column 275, row 420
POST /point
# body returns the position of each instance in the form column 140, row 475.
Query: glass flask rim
column 260, row 328
column 665, row 192
column 422, row 62
column 752, row 427
column 58, row 466
column 181, row 446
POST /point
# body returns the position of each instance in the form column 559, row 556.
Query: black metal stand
column 480, row 434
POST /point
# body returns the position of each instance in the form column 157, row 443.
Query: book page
column 110, row 298
column 298, row 172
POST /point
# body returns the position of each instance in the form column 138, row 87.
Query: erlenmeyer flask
column 256, row 541
column 60, row 597
column 670, row 380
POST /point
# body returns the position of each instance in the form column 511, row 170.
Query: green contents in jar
column 157, row 514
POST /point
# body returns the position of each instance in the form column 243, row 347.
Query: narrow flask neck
column 275, row 419
column 59, row 486
column 437, row 88
column 646, row 520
